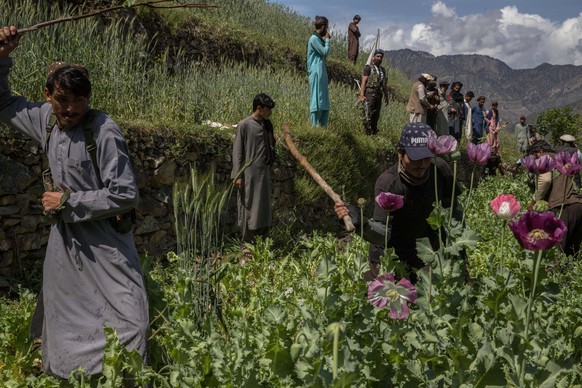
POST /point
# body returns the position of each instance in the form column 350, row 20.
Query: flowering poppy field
column 496, row 305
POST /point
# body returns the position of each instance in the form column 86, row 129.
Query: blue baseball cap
column 414, row 140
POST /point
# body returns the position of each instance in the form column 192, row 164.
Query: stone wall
column 158, row 159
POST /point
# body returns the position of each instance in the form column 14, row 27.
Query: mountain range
column 519, row 91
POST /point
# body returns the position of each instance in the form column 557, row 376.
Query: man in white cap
column 414, row 178
column 417, row 102
column 567, row 145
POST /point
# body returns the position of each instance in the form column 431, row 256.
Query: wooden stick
column 150, row 4
column 320, row 181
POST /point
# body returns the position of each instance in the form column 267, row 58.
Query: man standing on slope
column 417, row 102
column 91, row 275
column 467, row 124
column 354, row 39
column 478, row 119
column 317, row 51
column 374, row 80
column 521, row 135
column 253, row 154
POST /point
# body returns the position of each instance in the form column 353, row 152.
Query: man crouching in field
column 412, row 177
column 91, row 276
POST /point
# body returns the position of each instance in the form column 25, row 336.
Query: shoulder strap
column 90, row 144
column 88, row 131
column 49, row 128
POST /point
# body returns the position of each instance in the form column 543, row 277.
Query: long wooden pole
column 158, row 4
column 320, row 181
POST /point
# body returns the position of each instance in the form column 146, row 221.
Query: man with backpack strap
column 374, row 87
column 91, row 276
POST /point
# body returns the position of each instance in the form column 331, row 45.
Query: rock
column 15, row 177
column 165, row 174
column 148, row 225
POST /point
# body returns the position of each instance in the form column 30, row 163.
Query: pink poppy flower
column 442, row 144
column 384, row 291
column 541, row 165
column 567, row 164
column 479, row 153
column 389, row 201
column 505, row 206
column 538, row 231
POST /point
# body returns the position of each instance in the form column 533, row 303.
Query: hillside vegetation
column 176, row 69
column 485, row 311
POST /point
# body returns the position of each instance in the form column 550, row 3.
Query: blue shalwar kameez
column 317, row 51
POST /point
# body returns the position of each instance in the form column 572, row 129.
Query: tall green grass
column 133, row 86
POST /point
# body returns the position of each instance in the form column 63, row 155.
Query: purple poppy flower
column 541, row 165
column 479, row 153
column 384, row 291
column 567, row 164
column 389, row 201
column 505, row 206
column 538, row 231
column 442, row 144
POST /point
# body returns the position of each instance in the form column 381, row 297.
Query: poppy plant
column 538, row 231
column 479, row 153
column 541, row 165
column 442, row 144
column 389, row 201
column 384, row 292
column 567, row 164
column 505, row 206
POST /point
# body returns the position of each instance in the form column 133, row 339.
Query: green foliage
column 20, row 359
column 299, row 316
column 559, row 121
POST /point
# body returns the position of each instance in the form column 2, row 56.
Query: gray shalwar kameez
column 254, row 199
column 91, row 276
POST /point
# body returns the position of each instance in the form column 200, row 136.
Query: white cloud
column 441, row 9
column 519, row 39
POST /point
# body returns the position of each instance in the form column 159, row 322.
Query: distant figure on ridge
column 417, row 102
column 317, row 51
column 354, row 39
column 521, row 135
column 442, row 121
column 253, row 153
column 478, row 119
column 467, row 124
column 374, row 79
column 456, row 109
column 492, row 126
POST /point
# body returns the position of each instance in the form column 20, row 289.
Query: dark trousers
column 374, row 98
column 572, row 217
column 249, row 235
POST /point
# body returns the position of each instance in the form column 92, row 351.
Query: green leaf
column 275, row 315
column 468, row 240
column 425, row 251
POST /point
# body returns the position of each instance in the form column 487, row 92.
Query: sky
column 521, row 33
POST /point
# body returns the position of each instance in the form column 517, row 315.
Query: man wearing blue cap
column 374, row 82
column 414, row 178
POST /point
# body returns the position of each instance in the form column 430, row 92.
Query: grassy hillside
column 172, row 70
column 178, row 68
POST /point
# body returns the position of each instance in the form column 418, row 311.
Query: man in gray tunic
column 521, row 135
column 91, row 275
column 253, row 154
